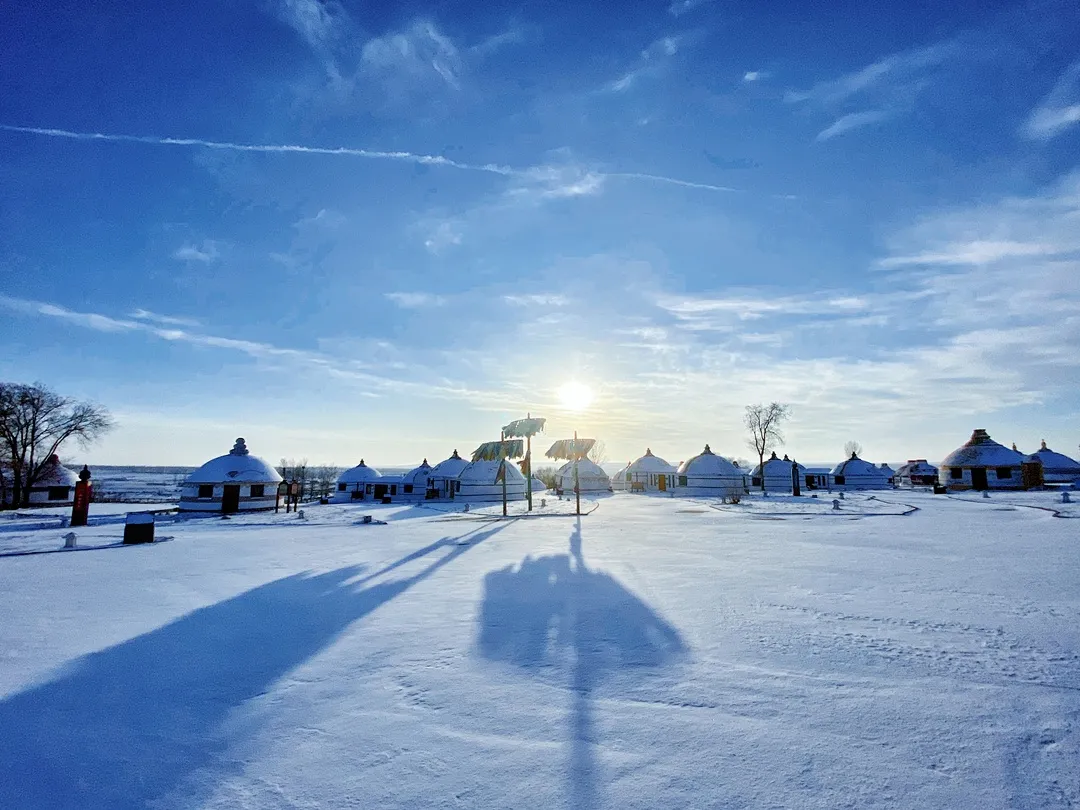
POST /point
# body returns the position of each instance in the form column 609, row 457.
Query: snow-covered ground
column 658, row 653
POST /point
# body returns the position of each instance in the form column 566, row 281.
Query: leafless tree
column 763, row 422
column 852, row 448
column 598, row 453
column 323, row 479
column 292, row 469
column 549, row 475
column 34, row 424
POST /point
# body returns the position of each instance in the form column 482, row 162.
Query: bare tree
column 549, row 475
column 34, row 424
column 598, row 453
column 763, row 422
column 323, row 479
column 292, row 469
column 852, row 448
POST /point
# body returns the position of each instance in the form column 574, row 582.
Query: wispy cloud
column 680, row 7
column 1059, row 110
column 651, row 62
column 319, row 22
column 445, row 235
column 415, row 55
column 536, row 300
column 511, row 36
column 206, row 253
column 755, row 75
column 856, row 120
column 168, row 320
column 415, row 300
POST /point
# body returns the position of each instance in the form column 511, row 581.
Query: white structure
column 235, row 482
column 414, row 483
column 649, row 474
column 618, row 480
column 777, row 475
column 357, row 482
column 888, row 472
column 918, row 472
column 817, row 478
column 443, row 478
column 591, row 478
column 478, row 482
column 55, row 485
column 538, row 486
column 854, row 473
column 1057, row 467
column 981, row 464
column 711, row 476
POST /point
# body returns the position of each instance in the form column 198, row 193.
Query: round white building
column 591, row 478
column 710, row 476
column 478, row 482
column 618, row 480
column 443, row 479
column 414, row 483
column 234, row 482
column 776, row 475
column 55, row 485
column 650, row 474
column 1058, row 468
column 357, row 483
column 982, row 464
column 918, row 472
column 854, row 473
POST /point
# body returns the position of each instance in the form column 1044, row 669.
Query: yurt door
column 978, row 478
column 230, row 499
column 662, row 483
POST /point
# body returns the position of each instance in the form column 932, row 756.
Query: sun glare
column 574, row 396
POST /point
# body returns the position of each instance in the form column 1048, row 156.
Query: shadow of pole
column 134, row 723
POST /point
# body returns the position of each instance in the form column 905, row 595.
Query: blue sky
column 347, row 230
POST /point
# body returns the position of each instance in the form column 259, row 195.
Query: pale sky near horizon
column 348, row 230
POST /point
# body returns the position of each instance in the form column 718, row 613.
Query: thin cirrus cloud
column 318, row 22
column 680, row 7
column 205, row 253
column 417, row 53
column 168, row 320
column 853, row 121
column 651, row 63
column 415, row 300
column 1060, row 110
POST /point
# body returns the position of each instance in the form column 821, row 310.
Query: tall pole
column 528, row 464
column 502, row 469
column 577, row 483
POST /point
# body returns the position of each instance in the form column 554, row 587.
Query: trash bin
column 139, row 528
column 387, row 499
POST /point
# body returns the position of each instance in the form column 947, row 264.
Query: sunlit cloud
column 852, row 121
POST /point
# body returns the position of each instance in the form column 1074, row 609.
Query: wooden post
column 502, row 469
column 577, row 482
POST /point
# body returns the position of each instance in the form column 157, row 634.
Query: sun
column 575, row 396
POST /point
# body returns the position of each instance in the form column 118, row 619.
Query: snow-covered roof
column 538, row 485
column 418, row 474
column 856, row 467
column 885, row 468
column 484, row 472
column 586, row 469
column 917, row 466
column 649, row 463
column 1056, row 462
column 708, row 464
column 777, row 466
column 237, row 466
column 982, row 451
column 55, row 474
column 450, row 468
column 360, row 474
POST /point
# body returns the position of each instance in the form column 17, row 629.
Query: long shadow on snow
column 553, row 616
column 127, row 725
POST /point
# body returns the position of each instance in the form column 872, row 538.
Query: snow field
column 664, row 654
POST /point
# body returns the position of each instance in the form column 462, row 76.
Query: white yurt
column 1057, row 467
column 887, row 471
column 234, row 482
column 443, row 478
column 777, row 477
column 650, row 474
column 591, row 478
column 918, row 472
column 854, row 473
column 356, row 483
column 55, row 485
column 538, row 486
column 414, row 483
column 618, row 480
column 711, row 476
column 981, row 464
column 478, row 483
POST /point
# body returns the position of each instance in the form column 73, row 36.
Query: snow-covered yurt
column 356, row 483
column 618, row 480
column 234, row 482
column 443, row 477
column 711, row 476
column 591, row 478
column 918, row 472
column 854, row 473
column 777, row 474
column 478, row 482
column 981, row 464
column 1057, row 467
column 55, row 485
column 414, row 483
column 538, row 485
column 887, row 471
column 650, row 474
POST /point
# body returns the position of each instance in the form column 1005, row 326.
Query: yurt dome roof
column 417, row 473
column 707, row 463
column 236, row 466
column 1056, row 462
column 982, row 451
column 777, row 466
column 360, row 474
column 885, row 468
column 484, row 472
column 649, row 463
column 856, row 467
column 450, row 468
column 917, row 466
column 55, row 474
column 587, row 468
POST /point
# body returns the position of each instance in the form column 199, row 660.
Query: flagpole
column 502, row 469
column 577, row 482
column 528, row 464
